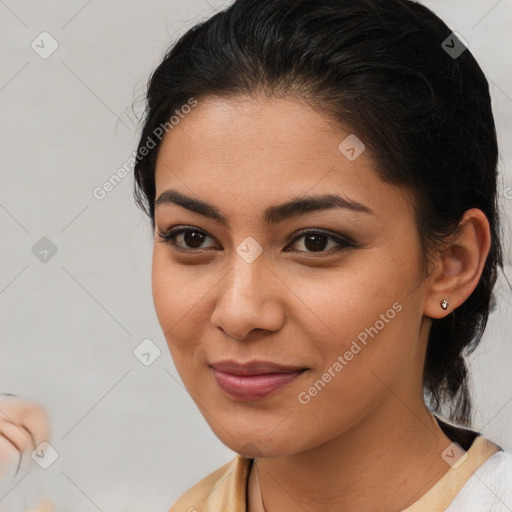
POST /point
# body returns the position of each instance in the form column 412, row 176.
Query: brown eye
column 192, row 238
column 317, row 241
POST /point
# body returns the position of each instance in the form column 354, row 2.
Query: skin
column 24, row 424
column 366, row 441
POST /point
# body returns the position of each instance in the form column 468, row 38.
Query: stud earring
column 444, row 304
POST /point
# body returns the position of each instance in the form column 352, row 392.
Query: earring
column 444, row 304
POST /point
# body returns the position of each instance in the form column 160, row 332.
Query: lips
column 254, row 380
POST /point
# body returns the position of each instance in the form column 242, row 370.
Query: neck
column 386, row 462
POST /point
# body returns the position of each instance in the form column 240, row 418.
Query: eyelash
column 170, row 238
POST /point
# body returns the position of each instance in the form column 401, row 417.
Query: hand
column 23, row 426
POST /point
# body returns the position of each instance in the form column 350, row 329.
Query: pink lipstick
column 254, row 380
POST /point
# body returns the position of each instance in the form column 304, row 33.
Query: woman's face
column 341, row 310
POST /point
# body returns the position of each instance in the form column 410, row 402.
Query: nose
column 250, row 297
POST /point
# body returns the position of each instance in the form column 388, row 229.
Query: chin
column 254, row 446
column 258, row 449
column 252, row 451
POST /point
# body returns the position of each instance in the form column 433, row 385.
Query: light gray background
column 129, row 437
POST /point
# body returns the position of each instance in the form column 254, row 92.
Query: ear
column 459, row 266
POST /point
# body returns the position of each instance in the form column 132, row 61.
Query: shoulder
column 490, row 487
column 227, row 479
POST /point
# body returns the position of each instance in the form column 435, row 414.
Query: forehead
column 257, row 151
column 243, row 132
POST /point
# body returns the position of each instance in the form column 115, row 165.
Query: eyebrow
column 273, row 214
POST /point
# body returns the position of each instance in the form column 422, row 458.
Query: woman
column 321, row 181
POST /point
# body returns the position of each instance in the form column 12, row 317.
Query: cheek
column 368, row 354
column 164, row 290
column 180, row 296
column 341, row 305
column 175, row 290
column 366, row 315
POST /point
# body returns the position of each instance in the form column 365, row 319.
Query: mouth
column 254, row 380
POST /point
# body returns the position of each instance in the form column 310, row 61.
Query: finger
column 9, row 455
column 17, row 435
column 13, row 409
column 28, row 414
column 36, row 422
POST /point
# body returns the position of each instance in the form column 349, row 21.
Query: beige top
column 225, row 489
